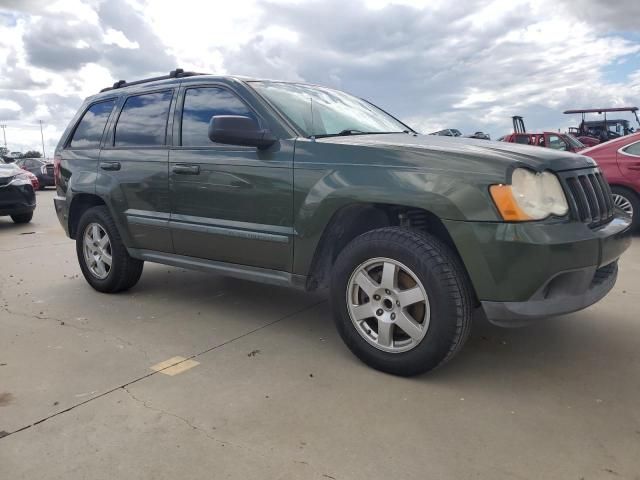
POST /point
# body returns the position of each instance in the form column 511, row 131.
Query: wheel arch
column 80, row 203
column 353, row 220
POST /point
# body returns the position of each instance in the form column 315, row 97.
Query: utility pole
column 4, row 132
column 44, row 155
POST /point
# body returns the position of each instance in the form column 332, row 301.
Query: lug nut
column 379, row 312
column 397, row 303
column 376, row 297
column 393, row 316
column 387, row 292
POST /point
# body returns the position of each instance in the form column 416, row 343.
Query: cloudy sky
column 464, row 64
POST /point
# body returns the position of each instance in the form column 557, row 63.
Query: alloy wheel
column 388, row 305
column 623, row 203
column 97, row 250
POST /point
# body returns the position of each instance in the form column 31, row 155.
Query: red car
column 619, row 160
column 557, row 141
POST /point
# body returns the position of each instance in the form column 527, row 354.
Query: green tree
column 31, row 154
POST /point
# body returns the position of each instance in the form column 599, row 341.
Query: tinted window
column 524, row 139
column 143, row 120
column 633, row 149
column 89, row 131
column 200, row 104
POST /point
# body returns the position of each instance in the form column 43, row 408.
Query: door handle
column 634, row 167
column 110, row 165
column 186, row 169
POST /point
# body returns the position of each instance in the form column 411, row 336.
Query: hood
column 473, row 151
column 9, row 170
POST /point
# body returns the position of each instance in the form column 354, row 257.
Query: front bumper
column 525, row 271
column 565, row 293
column 16, row 199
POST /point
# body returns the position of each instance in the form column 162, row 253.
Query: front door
column 556, row 142
column 133, row 170
column 228, row 203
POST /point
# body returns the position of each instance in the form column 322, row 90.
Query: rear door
column 80, row 154
column 228, row 203
column 133, row 169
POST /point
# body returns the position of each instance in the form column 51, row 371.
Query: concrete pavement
column 274, row 394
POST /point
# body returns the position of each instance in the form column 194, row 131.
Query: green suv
column 304, row 186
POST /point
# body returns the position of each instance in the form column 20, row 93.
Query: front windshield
column 575, row 142
column 320, row 112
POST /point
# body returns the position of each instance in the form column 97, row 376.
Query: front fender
column 321, row 192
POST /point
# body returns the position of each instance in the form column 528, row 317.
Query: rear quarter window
column 633, row 149
column 88, row 133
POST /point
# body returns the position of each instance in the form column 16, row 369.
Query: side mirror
column 239, row 130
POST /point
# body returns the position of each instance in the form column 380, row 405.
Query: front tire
column 22, row 217
column 401, row 300
column 103, row 258
column 629, row 202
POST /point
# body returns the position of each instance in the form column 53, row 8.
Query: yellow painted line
column 174, row 366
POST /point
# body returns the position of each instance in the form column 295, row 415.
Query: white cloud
column 470, row 67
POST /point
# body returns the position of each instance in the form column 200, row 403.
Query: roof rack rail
column 177, row 73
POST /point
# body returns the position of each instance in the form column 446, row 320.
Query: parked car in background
column 480, row 136
column 556, row 141
column 40, row 168
column 35, row 183
column 448, row 132
column 304, row 186
column 17, row 195
column 619, row 160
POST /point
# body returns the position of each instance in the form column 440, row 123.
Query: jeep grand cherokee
column 305, row 186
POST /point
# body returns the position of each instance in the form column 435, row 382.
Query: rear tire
column 22, row 217
column 103, row 258
column 429, row 269
column 630, row 202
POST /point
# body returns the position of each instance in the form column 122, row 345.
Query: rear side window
column 89, row 131
column 143, row 120
column 524, row 139
column 633, row 149
column 200, row 104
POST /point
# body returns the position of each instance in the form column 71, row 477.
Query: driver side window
column 556, row 143
column 200, row 104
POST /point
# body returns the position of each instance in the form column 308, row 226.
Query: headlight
column 20, row 179
column 531, row 196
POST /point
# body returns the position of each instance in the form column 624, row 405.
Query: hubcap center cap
column 387, row 304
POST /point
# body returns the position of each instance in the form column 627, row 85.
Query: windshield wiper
column 353, row 131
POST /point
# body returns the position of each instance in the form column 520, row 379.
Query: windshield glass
column 575, row 142
column 318, row 111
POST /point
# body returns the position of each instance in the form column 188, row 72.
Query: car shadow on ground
column 548, row 347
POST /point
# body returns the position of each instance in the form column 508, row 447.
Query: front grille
column 589, row 196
